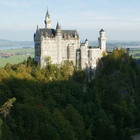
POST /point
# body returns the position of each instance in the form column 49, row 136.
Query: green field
column 14, row 59
column 17, row 58
column 135, row 52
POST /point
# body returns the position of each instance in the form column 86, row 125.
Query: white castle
column 61, row 45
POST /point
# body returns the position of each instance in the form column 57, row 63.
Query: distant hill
column 116, row 43
column 4, row 43
column 113, row 43
column 4, row 40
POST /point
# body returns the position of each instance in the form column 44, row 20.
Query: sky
column 119, row 18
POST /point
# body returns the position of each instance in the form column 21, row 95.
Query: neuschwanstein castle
column 63, row 45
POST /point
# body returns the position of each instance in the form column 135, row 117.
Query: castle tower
column 47, row 21
column 59, row 43
column 84, row 57
column 127, row 51
column 86, row 42
column 102, row 40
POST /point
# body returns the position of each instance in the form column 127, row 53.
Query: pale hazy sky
column 119, row 18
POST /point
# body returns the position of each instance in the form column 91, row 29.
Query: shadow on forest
column 42, row 110
column 138, row 61
column 59, row 109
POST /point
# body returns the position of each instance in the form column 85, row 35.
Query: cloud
column 107, row 18
column 14, row 3
column 88, row 13
column 100, row 16
column 7, row 3
column 128, row 10
column 135, row 19
column 77, row 3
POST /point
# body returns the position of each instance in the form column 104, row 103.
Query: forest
column 50, row 103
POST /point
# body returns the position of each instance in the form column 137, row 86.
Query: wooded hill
column 4, row 43
column 49, row 103
column 116, row 43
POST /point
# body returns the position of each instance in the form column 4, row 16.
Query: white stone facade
column 63, row 45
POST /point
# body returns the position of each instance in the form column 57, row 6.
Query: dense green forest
column 50, row 104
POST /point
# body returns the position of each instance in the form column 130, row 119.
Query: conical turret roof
column 37, row 28
column 47, row 14
column 58, row 26
column 102, row 30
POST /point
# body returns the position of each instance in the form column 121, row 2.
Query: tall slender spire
column 47, row 20
column 47, row 13
column 58, row 26
column 37, row 28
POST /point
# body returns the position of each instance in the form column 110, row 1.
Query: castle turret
column 127, row 51
column 47, row 20
column 37, row 28
column 57, row 26
column 84, row 56
column 59, row 43
column 86, row 42
column 102, row 40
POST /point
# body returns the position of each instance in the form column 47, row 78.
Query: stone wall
column 56, row 48
column 49, row 48
column 84, row 58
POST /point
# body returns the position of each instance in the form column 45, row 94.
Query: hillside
column 115, row 43
column 51, row 105
column 4, row 43
column 111, row 43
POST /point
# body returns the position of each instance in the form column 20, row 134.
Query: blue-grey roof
column 47, row 31
column 70, row 32
column 57, row 26
column 101, row 30
column 52, row 31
